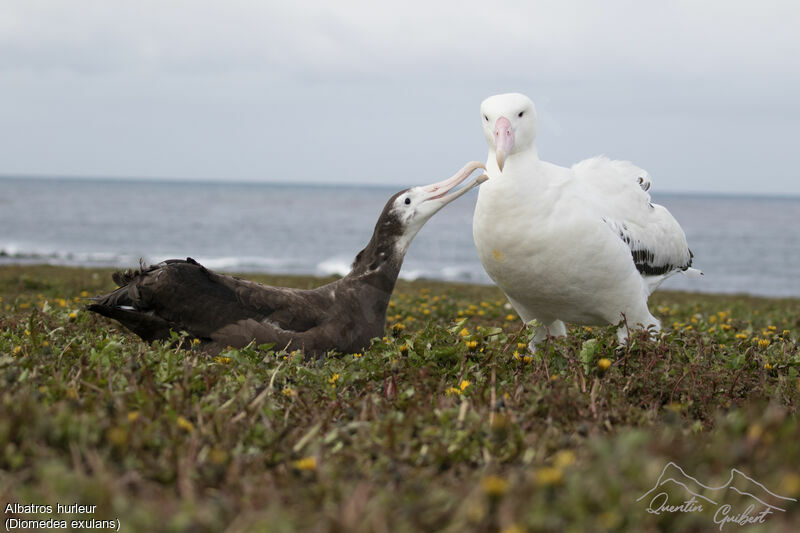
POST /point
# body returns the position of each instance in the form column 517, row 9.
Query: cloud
column 318, row 38
column 250, row 89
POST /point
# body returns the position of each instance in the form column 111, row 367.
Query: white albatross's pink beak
column 437, row 191
column 503, row 140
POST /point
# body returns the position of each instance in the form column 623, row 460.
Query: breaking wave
column 333, row 266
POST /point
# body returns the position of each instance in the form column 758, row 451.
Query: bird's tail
column 146, row 325
column 119, row 305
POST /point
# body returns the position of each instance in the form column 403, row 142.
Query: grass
column 447, row 423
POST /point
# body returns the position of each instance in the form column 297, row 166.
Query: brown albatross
column 221, row 311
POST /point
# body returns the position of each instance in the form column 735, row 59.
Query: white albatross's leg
column 556, row 328
column 644, row 321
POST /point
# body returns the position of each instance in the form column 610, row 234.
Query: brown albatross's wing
column 185, row 296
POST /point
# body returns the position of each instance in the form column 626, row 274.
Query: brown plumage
column 221, row 310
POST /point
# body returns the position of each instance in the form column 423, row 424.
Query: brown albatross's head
column 409, row 210
column 404, row 215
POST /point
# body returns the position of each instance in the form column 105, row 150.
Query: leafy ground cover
column 446, row 423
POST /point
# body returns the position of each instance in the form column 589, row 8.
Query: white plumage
column 582, row 245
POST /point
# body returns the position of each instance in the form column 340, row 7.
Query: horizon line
column 343, row 183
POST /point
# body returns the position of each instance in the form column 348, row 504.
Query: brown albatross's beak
column 438, row 191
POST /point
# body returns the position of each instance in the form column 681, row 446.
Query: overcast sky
column 702, row 94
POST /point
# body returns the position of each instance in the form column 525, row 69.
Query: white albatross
column 582, row 245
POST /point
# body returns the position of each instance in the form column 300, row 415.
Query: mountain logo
column 757, row 501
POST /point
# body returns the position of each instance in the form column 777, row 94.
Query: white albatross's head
column 509, row 124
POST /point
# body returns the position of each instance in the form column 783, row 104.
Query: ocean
column 743, row 244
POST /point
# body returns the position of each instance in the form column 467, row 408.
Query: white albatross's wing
column 618, row 192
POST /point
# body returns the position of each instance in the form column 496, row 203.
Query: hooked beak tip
column 501, row 160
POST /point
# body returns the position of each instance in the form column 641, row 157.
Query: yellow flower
column 463, row 333
column 84, row 294
column 604, row 364
column 767, row 366
column 217, row 456
column 523, row 358
column 464, row 384
column 333, row 379
column 398, row 327
column 117, row 436
column 27, row 333
column 772, row 328
column 358, row 355
column 725, row 327
column 73, row 315
column 222, row 360
column 453, row 391
column 289, row 392
column 549, row 476
column 763, row 343
column 17, row 350
column 521, row 345
column 185, row 424
column 472, row 344
column 564, row 458
column 785, row 333
column 133, row 416
column 755, row 431
column 195, row 342
column 307, row 464
column 790, row 484
column 741, row 336
column 494, row 486
column 608, row 520
column 510, row 317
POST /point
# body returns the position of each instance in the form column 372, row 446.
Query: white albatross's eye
column 408, row 200
column 521, row 113
column 485, row 118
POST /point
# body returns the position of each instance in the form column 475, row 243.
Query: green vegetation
column 445, row 423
